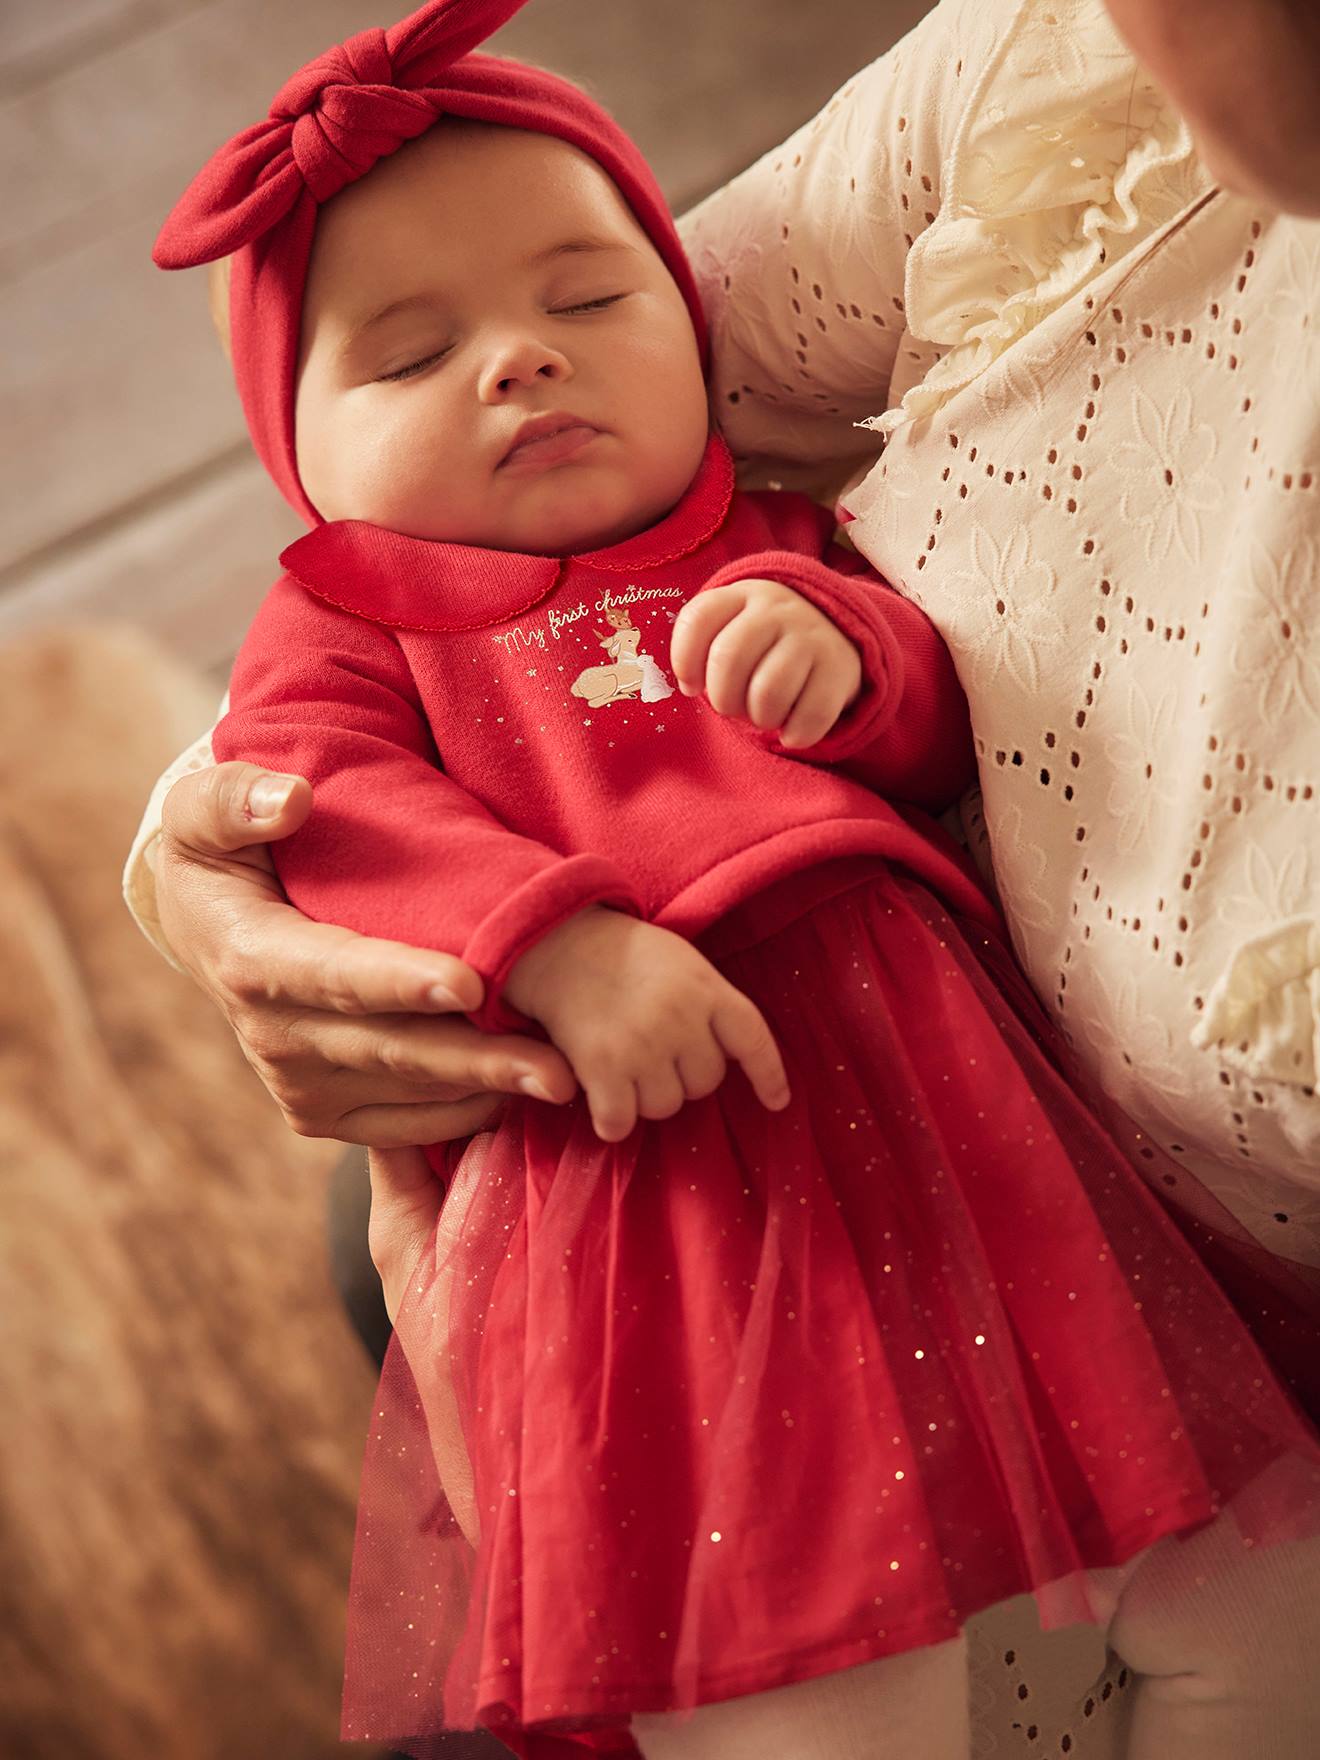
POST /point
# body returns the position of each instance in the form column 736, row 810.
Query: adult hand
column 406, row 1200
column 348, row 1033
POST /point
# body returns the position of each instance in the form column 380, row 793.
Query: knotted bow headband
column 257, row 199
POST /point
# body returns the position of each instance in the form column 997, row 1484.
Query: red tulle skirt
column 753, row 1397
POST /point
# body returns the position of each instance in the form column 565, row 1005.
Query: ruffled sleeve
column 948, row 199
column 801, row 259
column 1263, row 1014
column 1066, row 157
column 139, row 881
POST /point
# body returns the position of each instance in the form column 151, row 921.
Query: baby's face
column 480, row 281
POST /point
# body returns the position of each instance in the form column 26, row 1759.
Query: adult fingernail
column 268, row 794
column 535, row 1087
column 442, row 997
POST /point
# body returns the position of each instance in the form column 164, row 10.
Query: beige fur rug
column 183, row 1404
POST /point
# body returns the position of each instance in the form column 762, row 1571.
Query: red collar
column 414, row 583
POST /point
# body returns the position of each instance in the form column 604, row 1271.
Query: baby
column 494, row 357
column 758, row 1383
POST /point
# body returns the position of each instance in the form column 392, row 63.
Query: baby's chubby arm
column 645, row 1020
column 823, row 660
column 393, row 847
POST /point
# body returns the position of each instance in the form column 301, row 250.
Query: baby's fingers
column 701, row 1067
column 742, row 1032
column 778, row 682
column 734, row 656
column 819, row 705
column 660, row 1092
column 695, row 628
column 612, row 1103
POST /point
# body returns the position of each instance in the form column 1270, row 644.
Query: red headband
column 257, row 199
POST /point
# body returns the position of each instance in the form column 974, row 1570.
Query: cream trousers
column 1222, row 1644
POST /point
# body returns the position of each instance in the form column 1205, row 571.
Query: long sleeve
column 393, row 847
column 801, row 260
column 139, row 878
column 907, row 735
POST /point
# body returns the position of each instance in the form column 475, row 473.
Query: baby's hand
column 762, row 651
column 644, row 1019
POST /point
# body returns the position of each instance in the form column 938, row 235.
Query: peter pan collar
column 414, row 583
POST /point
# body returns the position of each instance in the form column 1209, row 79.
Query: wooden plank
column 37, row 33
column 55, row 36
column 193, row 570
column 118, row 136
column 118, row 387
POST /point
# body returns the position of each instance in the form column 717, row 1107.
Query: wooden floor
column 129, row 488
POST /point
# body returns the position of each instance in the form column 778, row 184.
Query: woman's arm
column 139, row 880
column 355, row 1038
column 801, row 259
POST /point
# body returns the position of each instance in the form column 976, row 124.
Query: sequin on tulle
column 751, row 1397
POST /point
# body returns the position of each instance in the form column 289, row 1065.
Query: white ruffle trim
column 1263, row 1014
column 1065, row 158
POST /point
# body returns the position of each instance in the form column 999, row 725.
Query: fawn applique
column 628, row 674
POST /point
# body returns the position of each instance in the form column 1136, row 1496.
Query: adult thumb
column 231, row 806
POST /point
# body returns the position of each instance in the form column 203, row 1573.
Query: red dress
column 749, row 1397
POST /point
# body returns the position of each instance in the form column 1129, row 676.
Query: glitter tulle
column 752, row 1397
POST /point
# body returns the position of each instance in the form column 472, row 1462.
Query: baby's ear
column 217, row 293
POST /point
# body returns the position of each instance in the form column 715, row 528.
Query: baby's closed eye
column 414, row 367
column 411, row 369
column 588, row 305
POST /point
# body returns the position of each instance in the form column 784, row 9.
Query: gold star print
column 587, row 721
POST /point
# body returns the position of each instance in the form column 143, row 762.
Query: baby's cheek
column 402, row 475
column 319, row 460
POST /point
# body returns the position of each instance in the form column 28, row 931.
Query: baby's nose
column 520, row 364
